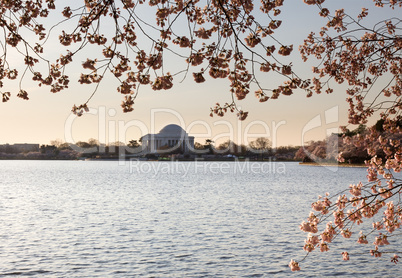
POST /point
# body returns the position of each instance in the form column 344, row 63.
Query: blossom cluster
column 377, row 200
column 346, row 54
column 125, row 53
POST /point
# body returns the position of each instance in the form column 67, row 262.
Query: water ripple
column 96, row 219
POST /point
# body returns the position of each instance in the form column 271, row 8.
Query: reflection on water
column 166, row 219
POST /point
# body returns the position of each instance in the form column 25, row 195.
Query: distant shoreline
column 140, row 159
column 325, row 164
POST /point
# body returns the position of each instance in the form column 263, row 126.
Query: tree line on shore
column 259, row 149
column 347, row 147
column 346, row 144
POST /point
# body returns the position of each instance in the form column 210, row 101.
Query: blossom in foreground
column 324, row 247
column 294, row 266
column 375, row 252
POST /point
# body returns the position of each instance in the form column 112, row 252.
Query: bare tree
column 261, row 145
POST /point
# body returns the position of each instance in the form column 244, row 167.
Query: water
column 167, row 219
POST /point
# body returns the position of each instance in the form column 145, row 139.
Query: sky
column 286, row 121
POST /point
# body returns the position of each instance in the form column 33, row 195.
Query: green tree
column 209, row 145
column 133, row 144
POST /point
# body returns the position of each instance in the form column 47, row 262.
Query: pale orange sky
column 47, row 116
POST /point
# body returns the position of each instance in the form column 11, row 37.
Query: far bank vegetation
column 349, row 146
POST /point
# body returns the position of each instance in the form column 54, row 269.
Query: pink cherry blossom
column 294, row 266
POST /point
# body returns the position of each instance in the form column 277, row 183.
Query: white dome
column 172, row 129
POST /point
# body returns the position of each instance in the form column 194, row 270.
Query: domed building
column 171, row 138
